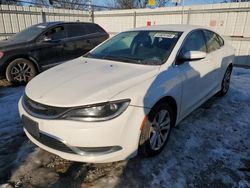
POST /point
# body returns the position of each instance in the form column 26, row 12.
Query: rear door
column 76, row 43
column 197, row 75
column 215, row 52
column 96, row 34
column 81, row 38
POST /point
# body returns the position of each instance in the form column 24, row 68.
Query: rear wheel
column 225, row 82
column 156, row 130
column 20, row 71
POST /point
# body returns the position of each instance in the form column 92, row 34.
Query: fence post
column 188, row 15
column 90, row 11
column 92, row 16
column 43, row 15
column 134, row 19
column 182, row 13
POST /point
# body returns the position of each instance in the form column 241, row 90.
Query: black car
column 44, row 45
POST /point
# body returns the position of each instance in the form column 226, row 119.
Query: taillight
column 1, row 54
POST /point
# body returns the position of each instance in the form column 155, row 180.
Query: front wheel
column 20, row 71
column 225, row 83
column 156, row 130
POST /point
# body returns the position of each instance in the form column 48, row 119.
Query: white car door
column 197, row 75
column 216, row 54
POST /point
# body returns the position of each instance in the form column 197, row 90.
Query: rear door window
column 93, row 28
column 212, row 41
column 76, row 30
column 220, row 40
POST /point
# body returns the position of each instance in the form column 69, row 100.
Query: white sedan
column 126, row 95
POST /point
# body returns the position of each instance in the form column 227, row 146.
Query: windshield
column 139, row 47
column 30, row 33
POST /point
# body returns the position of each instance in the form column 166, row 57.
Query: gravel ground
column 210, row 148
column 4, row 83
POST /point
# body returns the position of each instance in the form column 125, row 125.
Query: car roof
column 171, row 27
column 49, row 24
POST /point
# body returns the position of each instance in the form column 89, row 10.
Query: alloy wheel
column 160, row 129
column 226, row 81
column 21, row 72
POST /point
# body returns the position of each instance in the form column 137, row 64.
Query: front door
column 197, row 75
column 49, row 47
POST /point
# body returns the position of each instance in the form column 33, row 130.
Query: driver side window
column 56, row 33
column 194, row 42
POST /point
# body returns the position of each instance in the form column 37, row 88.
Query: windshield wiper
column 90, row 55
column 126, row 59
column 151, row 62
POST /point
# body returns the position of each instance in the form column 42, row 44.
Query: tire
column 154, row 136
column 20, row 71
column 225, row 83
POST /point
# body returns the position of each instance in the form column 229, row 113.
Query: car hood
column 86, row 81
column 6, row 44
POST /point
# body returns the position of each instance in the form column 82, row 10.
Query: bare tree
column 162, row 3
column 41, row 2
column 9, row 2
column 124, row 4
column 70, row 4
column 129, row 4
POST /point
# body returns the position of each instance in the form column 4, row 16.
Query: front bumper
column 95, row 142
column 2, row 71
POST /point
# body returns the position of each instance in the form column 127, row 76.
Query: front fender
column 149, row 92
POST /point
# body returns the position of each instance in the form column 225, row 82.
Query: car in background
column 45, row 45
column 126, row 95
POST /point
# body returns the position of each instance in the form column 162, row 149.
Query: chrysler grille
column 40, row 110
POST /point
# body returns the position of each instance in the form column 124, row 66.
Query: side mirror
column 192, row 55
column 47, row 39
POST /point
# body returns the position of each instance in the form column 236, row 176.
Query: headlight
column 98, row 112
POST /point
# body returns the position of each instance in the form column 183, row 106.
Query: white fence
column 231, row 20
